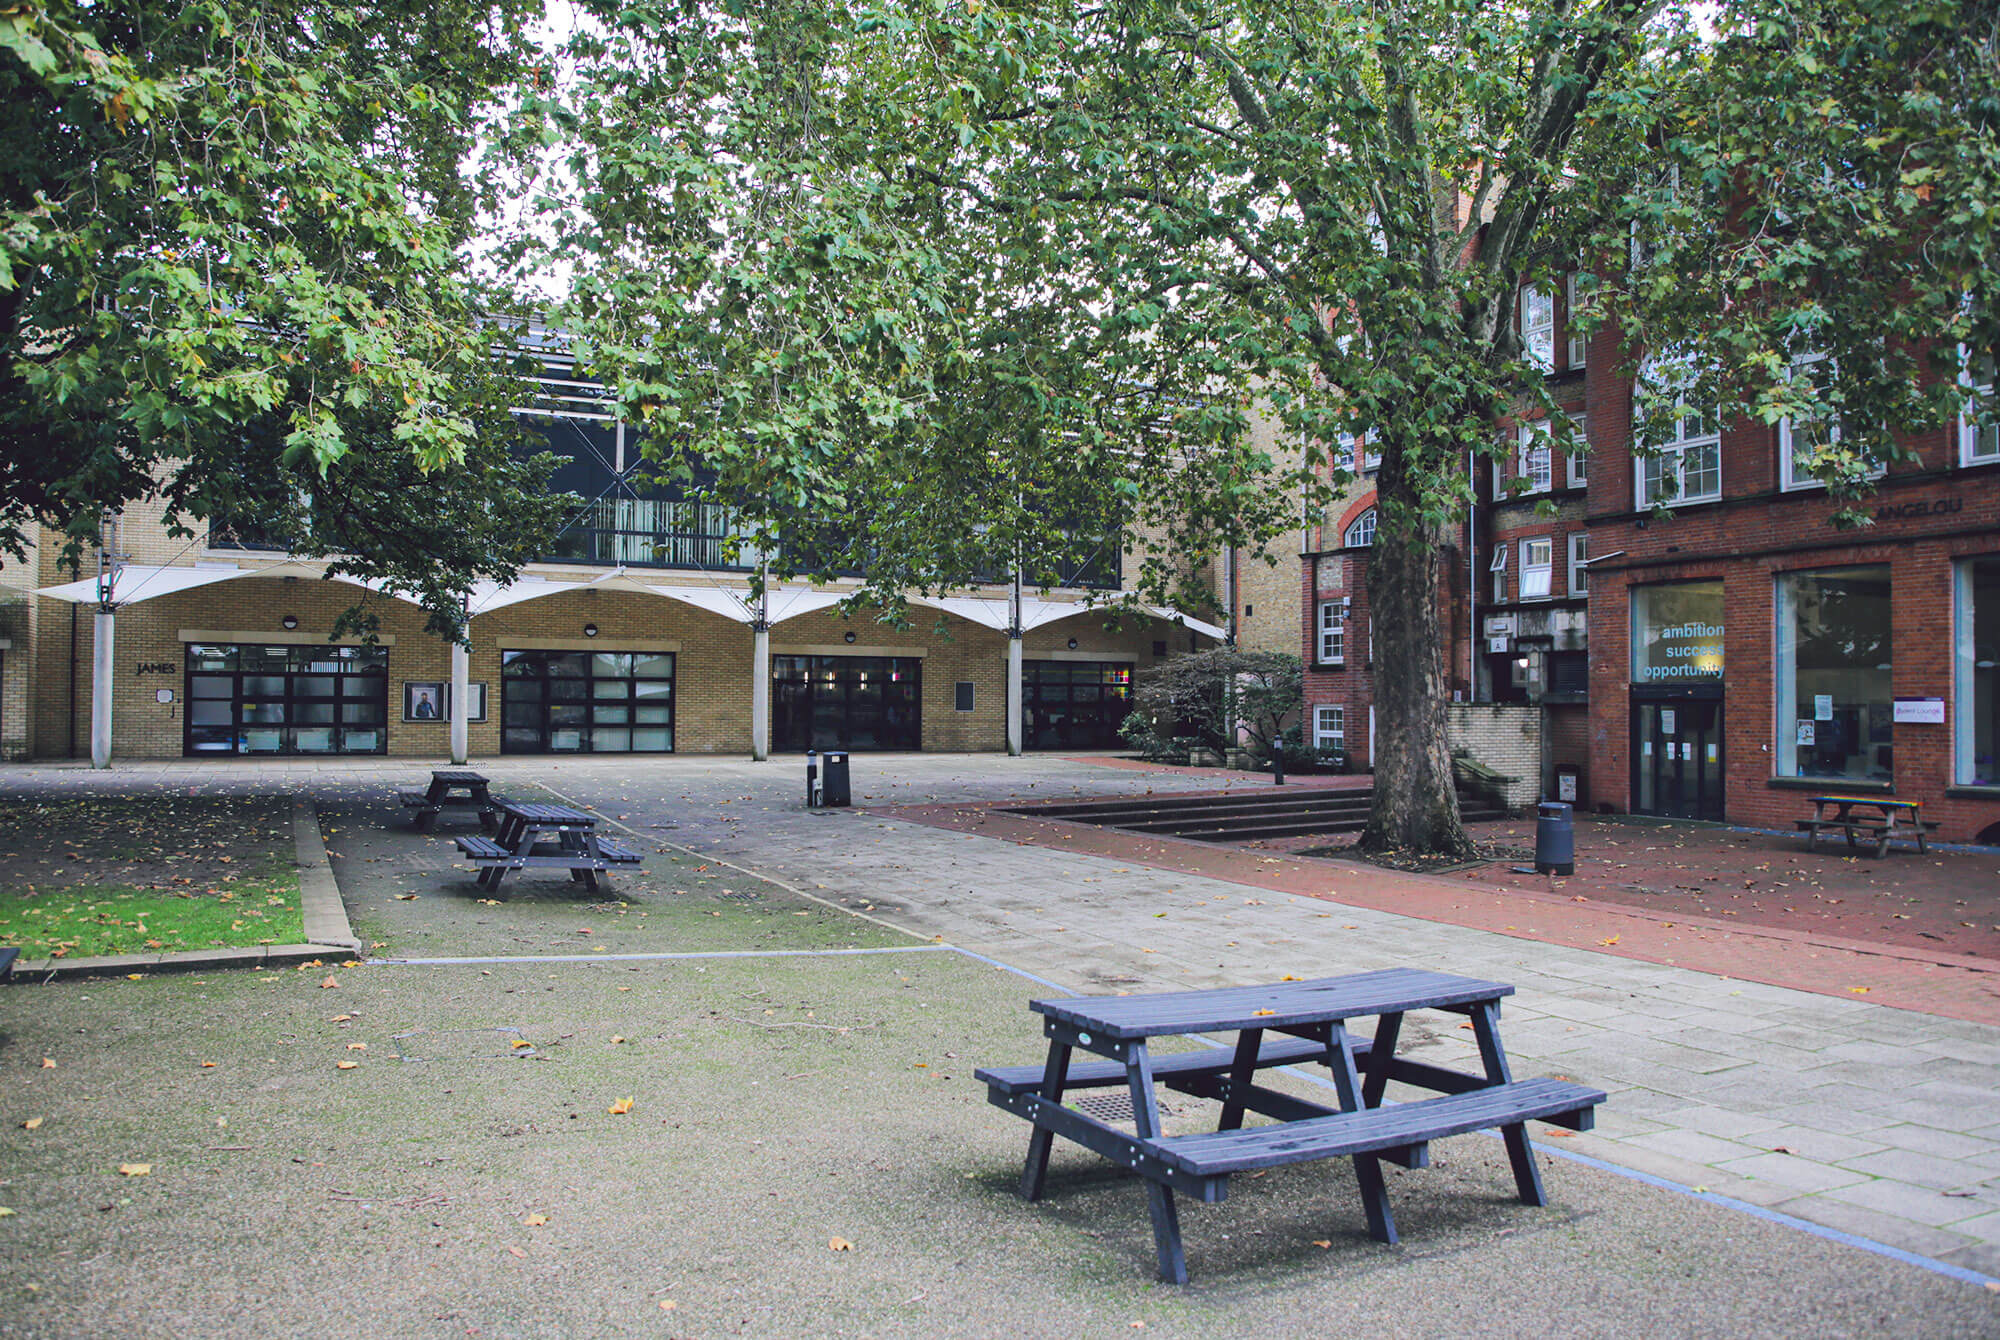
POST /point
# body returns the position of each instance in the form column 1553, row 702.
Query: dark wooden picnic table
column 544, row 837
column 450, row 787
column 1882, row 819
column 1310, row 1019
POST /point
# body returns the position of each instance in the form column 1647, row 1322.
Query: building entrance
column 249, row 699
column 1677, row 758
column 1075, row 704
column 846, row 702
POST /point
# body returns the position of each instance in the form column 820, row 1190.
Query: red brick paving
column 1665, row 894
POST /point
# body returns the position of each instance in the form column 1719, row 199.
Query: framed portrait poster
column 430, row 700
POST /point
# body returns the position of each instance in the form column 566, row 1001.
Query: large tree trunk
column 1416, row 800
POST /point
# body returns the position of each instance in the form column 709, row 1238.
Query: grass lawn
column 258, row 906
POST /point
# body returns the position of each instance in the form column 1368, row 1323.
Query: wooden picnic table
column 1309, row 1019
column 450, row 787
column 1884, row 820
column 544, row 837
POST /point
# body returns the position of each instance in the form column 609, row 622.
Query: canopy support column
column 103, row 630
column 461, row 703
column 1014, row 672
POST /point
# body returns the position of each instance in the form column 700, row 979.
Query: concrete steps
column 1239, row 817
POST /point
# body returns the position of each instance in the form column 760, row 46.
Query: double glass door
column 249, row 699
column 1677, row 758
column 846, row 702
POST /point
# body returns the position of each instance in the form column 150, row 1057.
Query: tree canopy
column 234, row 269
column 895, row 266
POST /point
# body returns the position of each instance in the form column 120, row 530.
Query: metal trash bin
column 1555, row 839
column 812, row 779
column 834, row 786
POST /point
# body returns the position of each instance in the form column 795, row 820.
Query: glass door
column 1677, row 759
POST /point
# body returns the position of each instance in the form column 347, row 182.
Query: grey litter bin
column 1555, row 839
column 834, row 786
column 812, row 778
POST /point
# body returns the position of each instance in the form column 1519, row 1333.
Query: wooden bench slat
column 617, row 852
column 1096, row 1074
column 481, row 847
column 1401, row 1126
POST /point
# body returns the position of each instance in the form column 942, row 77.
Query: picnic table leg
column 1159, row 1196
column 1040, row 1139
column 1527, row 1178
column 1379, row 1057
column 1242, row 1074
column 1367, row 1168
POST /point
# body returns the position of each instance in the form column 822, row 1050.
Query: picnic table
column 1883, row 820
column 544, row 837
column 450, row 787
column 1275, row 1025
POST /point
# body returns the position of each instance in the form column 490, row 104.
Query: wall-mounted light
column 849, row 637
column 1072, row 644
column 590, row 630
column 290, row 621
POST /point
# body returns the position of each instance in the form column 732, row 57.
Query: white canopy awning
column 1035, row 613
column 137, row 581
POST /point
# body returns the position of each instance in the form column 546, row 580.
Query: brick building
column 1728, row 657
column 637, row 636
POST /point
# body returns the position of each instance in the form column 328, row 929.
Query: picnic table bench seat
column 1094, row 1074
column 1378, row 1130
column 617, row 852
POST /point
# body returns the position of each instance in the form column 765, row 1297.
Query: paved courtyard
column 1823, row 1105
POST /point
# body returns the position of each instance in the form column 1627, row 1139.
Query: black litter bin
column 835, row 789
column 1555, row 839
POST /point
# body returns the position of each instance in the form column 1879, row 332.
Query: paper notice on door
column 1666, row 721
column 1711, row 751
column 1822, row 707
column 1805, row 731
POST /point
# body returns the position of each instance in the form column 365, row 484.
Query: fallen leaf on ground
column 839, row 1245
column 1263, row 1012
column 519, row 1043
column 208, row 1065
column 1322, row 1242
column 1858, row 990
column 406, row 897
column 535, row 1220
column 618, row 1038
column 517, row 1251
column 135, row 1169
column 31, row 1123
column 1609, row 940
column 6, row 1213
column 329, row 984
column 621, row 1107
column 345, row 1065
column 357, row 1046
column 668, row 1305
column 48, row 1064
column 340, row 1018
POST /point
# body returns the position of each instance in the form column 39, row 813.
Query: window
column 1538, row 327
column 1499, row 570
column 1579, row 557
column 1677, row 633
column 1835, row 711
column 1075, row 704
column 1979, row 443
column 1361, row 534
column 1371, row 451
column 579, row 702
column 256, row 699
column 1332, row 627
column 1687, row 466
column 1578, row 464
column 1536, row 461
column 1575, row 304
column 1537, row 558
column 1330, row 727
column 1976, row 680
column 1801, row 442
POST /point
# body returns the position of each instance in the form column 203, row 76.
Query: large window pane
column 1677, row 633
column 1835, row 710
column 1976, row 687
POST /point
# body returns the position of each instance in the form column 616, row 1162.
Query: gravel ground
column 778, row 1104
